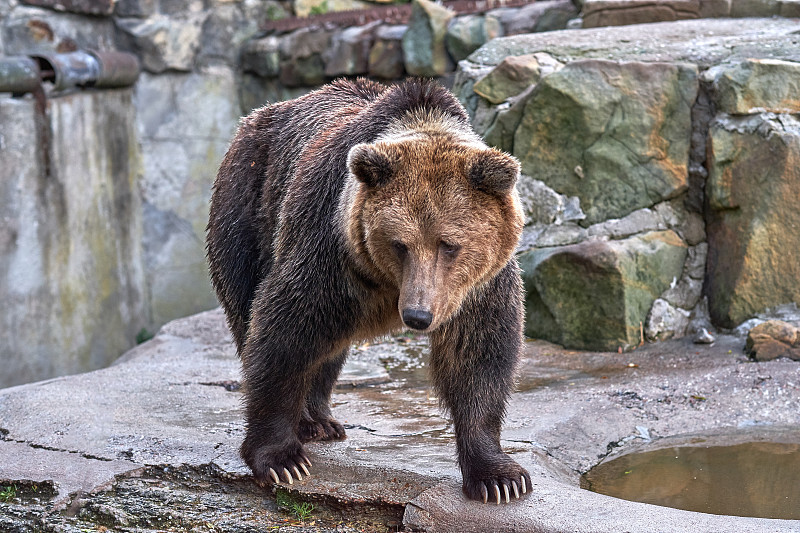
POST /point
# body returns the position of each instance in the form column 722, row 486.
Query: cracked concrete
column 151, row 443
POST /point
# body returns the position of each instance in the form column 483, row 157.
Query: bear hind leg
column 317, row 422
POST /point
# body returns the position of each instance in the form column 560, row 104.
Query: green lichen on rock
column 614, row 134
column 596, row 295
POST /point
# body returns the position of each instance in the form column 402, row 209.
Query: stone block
column 467, row 33
column 598, row 13
column 163, row 43
column 541, row 16
column 303, row 71
column 772, row 339
column 755, row 8
column 304, row 42
column 614, row 134
column 32, row 30
column 386, row 55
column 515, row 74
column 665, row 321
column 596, row 295
column 262, row 56
column 757, row 85
column 753, row 223
column 134, row 8
column 349, row 51
column 790, row 9
column 186, row 123
column 423, row 43
column 81, row 7
column 715, row 8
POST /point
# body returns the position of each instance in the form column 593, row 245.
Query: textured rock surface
column 614, row 134
column 424, row 50
column 598, row 13
column 513, row 75
column 466, row 34
column 72, row 281
column 597, row 294
column 182, row 149
column 164, row 43
column 758, row 85
column 386, row 55
column 753, row 224
column 348, row 53
column 773, row 339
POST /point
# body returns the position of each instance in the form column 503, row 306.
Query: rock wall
column 642, row 157
column 71, row 255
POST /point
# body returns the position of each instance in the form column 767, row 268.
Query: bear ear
column 493, row 171
column 370, row 165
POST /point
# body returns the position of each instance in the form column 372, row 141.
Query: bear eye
column 400, row 249
column 449, row 250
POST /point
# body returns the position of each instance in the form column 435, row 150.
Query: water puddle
column 758, row 478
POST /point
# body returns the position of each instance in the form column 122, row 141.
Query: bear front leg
column 279, row 360
column 473, row 358
column 316, row 422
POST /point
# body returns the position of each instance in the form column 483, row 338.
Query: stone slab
column 704, row 42
column 168, row 406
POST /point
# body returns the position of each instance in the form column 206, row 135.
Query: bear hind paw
column 322, row 429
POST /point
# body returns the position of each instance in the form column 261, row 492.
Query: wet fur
column 298, row 255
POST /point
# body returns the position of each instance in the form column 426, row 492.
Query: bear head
column 433, row 216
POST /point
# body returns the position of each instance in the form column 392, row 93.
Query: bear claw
column 274, row 476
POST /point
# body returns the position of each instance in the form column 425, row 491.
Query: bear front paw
column 272, row 463
column 499, row 486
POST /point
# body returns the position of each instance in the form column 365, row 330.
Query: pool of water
column 757, row 478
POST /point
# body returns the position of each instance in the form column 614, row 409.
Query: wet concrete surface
column 151, row 443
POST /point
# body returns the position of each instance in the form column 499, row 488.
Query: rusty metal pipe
column 75, row 69
column 117, row 69
column 19, row 75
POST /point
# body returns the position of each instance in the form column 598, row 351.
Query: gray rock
column 755, row 8
column 134, row 8
column 262, row 56
column 541, row 16
column 696, row 261
column 423, row 43
column 386, row 55
column 665, row 321
column 30, row 30
column 182, row 149
column 543, row 206
column 224, row 31
column 304, row 43
column 686, row 292
column 467, row 33
column 164, row 43
column 704, row 337
column 349, row 51
column 466, row 76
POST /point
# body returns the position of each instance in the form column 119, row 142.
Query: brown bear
column 349, row 213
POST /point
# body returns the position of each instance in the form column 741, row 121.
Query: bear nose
column 417, row 318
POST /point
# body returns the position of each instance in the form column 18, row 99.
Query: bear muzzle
column 418, row 319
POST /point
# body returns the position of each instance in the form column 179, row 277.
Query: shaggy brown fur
column 349, row 213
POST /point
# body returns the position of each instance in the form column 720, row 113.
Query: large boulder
column 164, row 43
column 615, row 134
column 596, row 295
column 424, row 42
column 753, row 222
column 386, row 55
column 466, row 34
